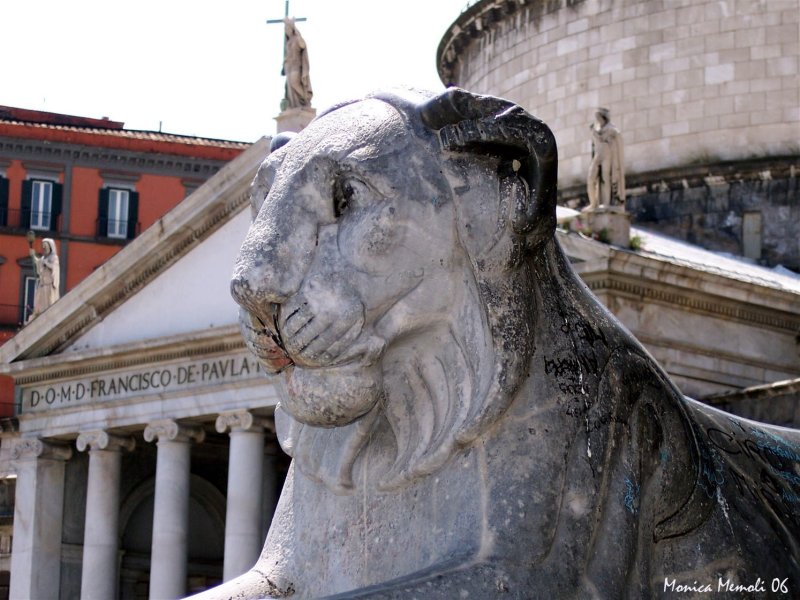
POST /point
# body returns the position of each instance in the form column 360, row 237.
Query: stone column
column 243, row 539
column 38, row 514
column 171, row 512
column 101, row 533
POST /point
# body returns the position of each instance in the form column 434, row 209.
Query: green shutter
column 55, row 206
column 133, row 214
column 25, row 213
column 3, row 201
column 102, row 213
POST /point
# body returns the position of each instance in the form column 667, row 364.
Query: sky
column 209, row 68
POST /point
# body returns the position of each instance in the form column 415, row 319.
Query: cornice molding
column 108, row 158
column 652, row 341
column 694, row 300
column 474, row 21
column 221, row 341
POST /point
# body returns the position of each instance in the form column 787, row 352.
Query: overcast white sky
column 208, row 68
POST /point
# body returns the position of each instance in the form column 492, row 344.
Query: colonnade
column 38, row 513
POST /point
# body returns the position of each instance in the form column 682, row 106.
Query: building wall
column 707, row 354
column 80, row 249
column 161, row 168
column 685, row 80
column 746, row 208
column 86, row 183
column 778, row 403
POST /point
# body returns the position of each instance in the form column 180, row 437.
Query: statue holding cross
column 295, row 64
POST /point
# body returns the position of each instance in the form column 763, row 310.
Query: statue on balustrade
column 47, row 276
column 465, row 419
column 606, row 182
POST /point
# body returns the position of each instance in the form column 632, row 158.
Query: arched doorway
column 206, row 538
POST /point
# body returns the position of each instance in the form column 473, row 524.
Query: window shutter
column 55, row 211
column 25, row 213
column 102, row 213
column 133, row 213
column 3, row 201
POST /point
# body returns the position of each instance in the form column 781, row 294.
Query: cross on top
column 285, row 15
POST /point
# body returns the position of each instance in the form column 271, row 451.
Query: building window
column 28, row 291
column 41, row 204
column 751, row 235
column 3, row 201
column 118, row 213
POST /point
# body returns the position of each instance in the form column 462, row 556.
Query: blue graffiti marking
column 631, row 495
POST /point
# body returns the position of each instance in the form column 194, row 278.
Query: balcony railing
column 14, row 218
column 107, row 227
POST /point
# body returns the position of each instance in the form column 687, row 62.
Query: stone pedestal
column 295, row 119
column 243, row 529
column 171, row 511
column 38, row 515
column 101, row 533
column 609, row 224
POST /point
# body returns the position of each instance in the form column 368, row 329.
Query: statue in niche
column 465, row 418
column 48, row 276
column 295, row 67
column 606, row 181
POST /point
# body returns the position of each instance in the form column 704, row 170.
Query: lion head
column 383, row 275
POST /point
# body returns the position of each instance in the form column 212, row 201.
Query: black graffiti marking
column 585, row 332
column 589, row 362
column 564, row 367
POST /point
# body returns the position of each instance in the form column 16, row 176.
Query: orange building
column 92, row 186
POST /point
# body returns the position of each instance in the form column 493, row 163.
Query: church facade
column 144, row 424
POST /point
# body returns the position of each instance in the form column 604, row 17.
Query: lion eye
column 348, row 192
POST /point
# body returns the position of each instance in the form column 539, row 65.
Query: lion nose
column 269, row 271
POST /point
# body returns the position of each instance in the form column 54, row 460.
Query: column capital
column 169, row 430
column 243, row 420
column 27, row 448
column 103, row 440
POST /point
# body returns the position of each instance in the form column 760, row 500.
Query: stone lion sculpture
column 465, row 419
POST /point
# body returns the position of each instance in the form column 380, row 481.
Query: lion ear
column 470, row 123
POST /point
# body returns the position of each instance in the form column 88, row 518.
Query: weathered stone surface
column 466, row 420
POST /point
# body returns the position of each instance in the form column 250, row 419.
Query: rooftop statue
column 606, row 182
column 465, row 419
column 295, row 67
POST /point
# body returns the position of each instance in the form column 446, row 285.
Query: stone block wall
column 708, row 205
column 777, row 403
column 687, row 81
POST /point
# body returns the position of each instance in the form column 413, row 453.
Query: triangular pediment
column 188, row 296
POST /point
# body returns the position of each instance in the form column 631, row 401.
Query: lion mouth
column 265, row 343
